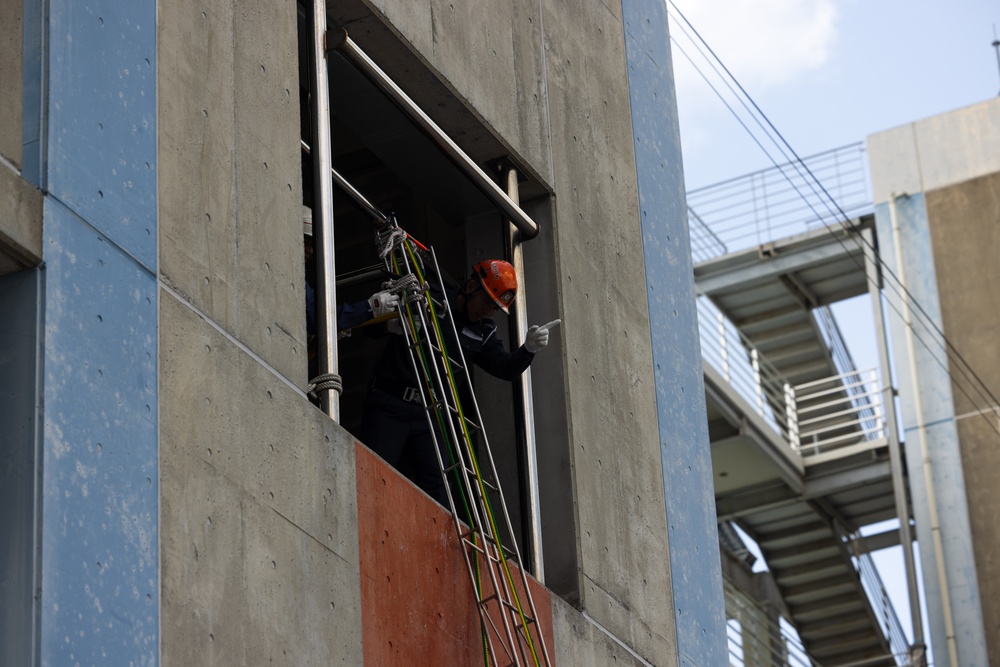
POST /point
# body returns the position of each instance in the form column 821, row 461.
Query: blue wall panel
column 101, row 139
column 680, row 392
column 97, row 146
column 99, row 505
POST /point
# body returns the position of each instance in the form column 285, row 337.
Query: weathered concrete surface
column 606, row 340
column 229, row 171
column 935, row 152
column 490, row 55
column 573, row 59
column 965, row 236
column 581, row 643
column 258, row 510
column 20, row 222
column 11, row 79
column 20, row 203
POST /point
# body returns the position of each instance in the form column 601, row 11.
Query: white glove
column 383, row 303
column 538, row 336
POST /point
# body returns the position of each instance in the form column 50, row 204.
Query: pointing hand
column 538, row 336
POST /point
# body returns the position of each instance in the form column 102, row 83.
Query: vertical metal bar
column 322, row 155
column 725, row 349
column 523, row 398
column 755, row 363
column 791, row 416
column 892, row 436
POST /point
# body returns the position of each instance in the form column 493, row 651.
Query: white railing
column 843, row 412
column 743, row 367
column 827, row 418
column 778, row 202
column 756, row 637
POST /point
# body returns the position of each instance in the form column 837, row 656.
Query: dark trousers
column 397, row 431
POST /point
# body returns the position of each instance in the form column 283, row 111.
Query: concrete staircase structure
column 799, row 449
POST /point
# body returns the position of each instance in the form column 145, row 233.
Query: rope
column 325, row 382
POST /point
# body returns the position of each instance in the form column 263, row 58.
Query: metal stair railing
column 814, row 418
column 777, row 202
column 741, row 365
column 843, row 361
column 878, row 597
column 828, row 414
column 754, row 638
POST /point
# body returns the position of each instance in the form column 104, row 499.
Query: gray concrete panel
column 491, row 55
column 20, row 222
column 931, row 373
column 241, row 445
column 965, row 238
column 581, row 642
column 11, row 79
column 625, row 583
column 230, row 168
column 20, row 338
column 99, row 593
column 936, row 152
column 268, row 183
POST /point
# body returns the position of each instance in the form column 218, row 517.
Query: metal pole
column 892, row 437
column 381, row 219
column 326, row 293
column 528, row 227
column 523, row 398
column 942, row 573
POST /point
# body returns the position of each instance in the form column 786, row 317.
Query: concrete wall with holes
column 258, row 520
column 937, row 180
column 195, row 506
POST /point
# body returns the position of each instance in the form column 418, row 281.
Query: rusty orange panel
column 417, row 601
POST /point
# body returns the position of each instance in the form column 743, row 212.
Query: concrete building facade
column 177, row 499
column 935, row 185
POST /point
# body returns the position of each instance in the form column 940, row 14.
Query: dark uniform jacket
column 480, row 343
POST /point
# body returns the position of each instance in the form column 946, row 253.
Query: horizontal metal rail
column 381, row 219
column 340, row 41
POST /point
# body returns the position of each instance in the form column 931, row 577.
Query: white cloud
column 764, row 43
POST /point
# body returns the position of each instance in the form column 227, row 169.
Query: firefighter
column 394, row 423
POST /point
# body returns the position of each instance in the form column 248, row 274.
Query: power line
column 820, row 192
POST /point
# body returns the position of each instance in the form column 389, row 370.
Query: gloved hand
column 538, row 336
column 383, row 303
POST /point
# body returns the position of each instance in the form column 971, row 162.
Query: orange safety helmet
column 499, row 280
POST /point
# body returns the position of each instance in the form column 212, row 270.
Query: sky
column 828, row 73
